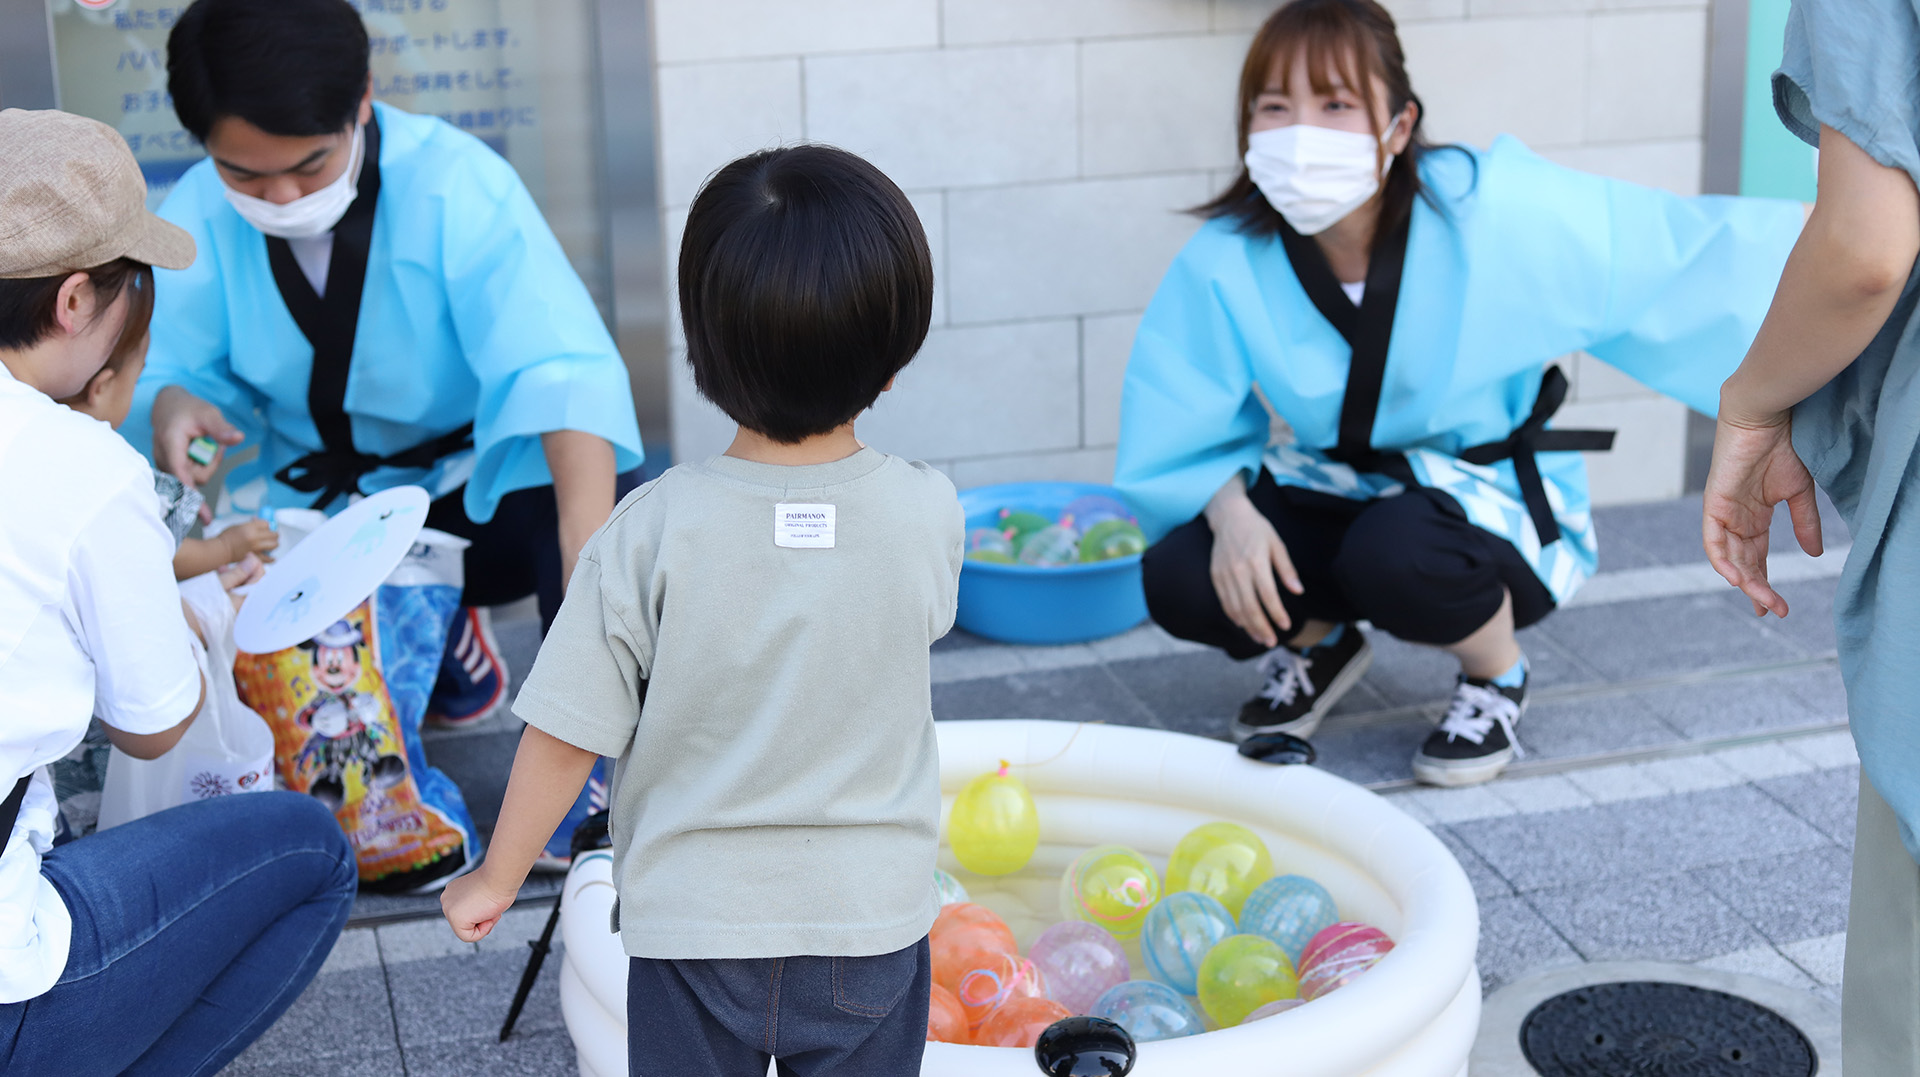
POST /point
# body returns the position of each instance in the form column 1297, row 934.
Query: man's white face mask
column 310, row 215
column 1316, row 175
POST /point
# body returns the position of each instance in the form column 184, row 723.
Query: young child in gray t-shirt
column 748, row 636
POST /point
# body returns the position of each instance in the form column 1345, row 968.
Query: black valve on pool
column 1280, row 749
column 1084, row 1047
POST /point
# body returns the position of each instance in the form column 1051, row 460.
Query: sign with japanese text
column 515, row 73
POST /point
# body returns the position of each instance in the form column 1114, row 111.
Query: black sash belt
column 330, row 323
column 10, row 808
column 1531, row 437
column 1368, row 329
column 335, row 474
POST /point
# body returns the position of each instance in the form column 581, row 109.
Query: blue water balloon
column 1290, row 910
column 1149, row 1011
column 1177, row 935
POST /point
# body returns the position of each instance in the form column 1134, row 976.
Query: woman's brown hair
column 29, row 307
column 1349, row 41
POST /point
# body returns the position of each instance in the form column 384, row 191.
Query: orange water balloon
column 967, row 937
column 946, row 1021
column 983, row 990
column 1019, row 1022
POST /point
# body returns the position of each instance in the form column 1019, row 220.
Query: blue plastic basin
column 1027, row 604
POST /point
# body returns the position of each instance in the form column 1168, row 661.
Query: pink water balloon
column 1080, row 962
column 1338, row 954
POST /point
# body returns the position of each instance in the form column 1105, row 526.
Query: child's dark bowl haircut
column 805, row 286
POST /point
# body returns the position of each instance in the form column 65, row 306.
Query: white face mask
column 1316, row 175
column 309, row 215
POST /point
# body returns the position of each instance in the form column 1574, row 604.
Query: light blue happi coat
column 1525, row 262
column 1855, row 67
column 471, row 313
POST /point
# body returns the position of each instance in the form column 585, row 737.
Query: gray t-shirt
column 1854, row 65
column 778, row 791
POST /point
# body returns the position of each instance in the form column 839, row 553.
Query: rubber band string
column 1064, row 749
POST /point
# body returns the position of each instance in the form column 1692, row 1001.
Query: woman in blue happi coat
column 1397, row 306
column 378, row 302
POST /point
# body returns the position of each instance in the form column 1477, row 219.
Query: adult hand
column 1247, row 556
column 473, row 906
column 245, row 572
column 1754, row 469
column 178, row 418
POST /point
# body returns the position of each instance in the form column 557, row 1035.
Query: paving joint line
column 414, row 916
column 1539, row 767
column 393, row 1008
column 1601, row 689
column 1522, row 769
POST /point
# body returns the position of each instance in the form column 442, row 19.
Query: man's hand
column 178, row 418
column 473, row 905
column 1754, row 469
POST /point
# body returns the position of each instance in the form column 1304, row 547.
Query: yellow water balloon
column 994, row 827
column 1243, row 973
column 1111, row 886
column 1224, row 861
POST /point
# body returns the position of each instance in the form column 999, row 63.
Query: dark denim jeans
column 193, row 930
column 818, row 1016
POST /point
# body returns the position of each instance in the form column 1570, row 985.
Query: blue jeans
column 193, row 930
column 818, row 1016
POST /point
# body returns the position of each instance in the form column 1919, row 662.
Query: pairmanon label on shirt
column 803, row 527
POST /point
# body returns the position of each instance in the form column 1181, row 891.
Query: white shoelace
column 1474, row 712
column 1286, row 671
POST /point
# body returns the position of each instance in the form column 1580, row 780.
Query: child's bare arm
column 547, row 776
column 197, row 556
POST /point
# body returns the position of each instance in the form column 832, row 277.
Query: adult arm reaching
column 1838, row 289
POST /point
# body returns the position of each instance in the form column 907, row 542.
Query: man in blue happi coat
column 378, row 302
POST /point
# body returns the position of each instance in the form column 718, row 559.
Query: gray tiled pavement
column 1688, row 796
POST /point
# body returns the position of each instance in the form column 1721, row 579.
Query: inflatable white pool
column 1413, row 1015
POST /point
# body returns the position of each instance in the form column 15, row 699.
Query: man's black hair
column 288, row 67
column 805, row 286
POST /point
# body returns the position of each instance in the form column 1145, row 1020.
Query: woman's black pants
column 1412, row 564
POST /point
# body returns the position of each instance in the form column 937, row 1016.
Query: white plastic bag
column 228, row 748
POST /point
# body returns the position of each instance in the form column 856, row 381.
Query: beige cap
column 72, row 197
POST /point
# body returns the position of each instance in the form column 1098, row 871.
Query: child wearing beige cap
column 174, row 941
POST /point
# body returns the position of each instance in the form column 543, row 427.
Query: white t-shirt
column 90, row 623
column 314, row 256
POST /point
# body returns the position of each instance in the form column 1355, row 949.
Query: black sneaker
column 1302, row 686
column 1476, row 740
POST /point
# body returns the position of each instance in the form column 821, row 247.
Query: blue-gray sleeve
column 1854, row 65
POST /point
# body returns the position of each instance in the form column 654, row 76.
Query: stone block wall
column 1050, row 145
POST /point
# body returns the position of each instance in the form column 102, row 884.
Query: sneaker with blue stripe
column 473, row 676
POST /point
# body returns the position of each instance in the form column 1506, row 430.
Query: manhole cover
column 1649, row 1029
